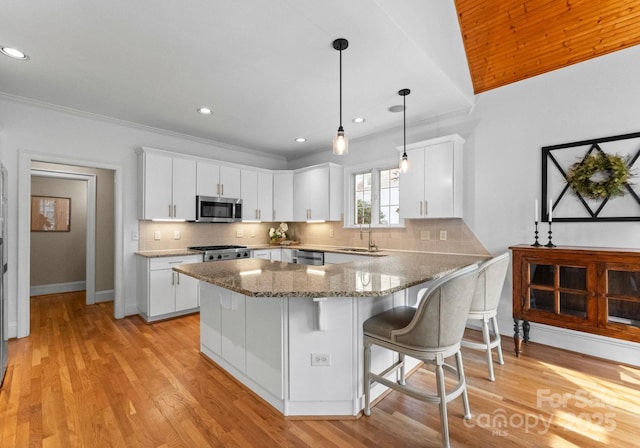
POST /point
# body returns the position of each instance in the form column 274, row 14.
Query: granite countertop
column 373, row 276
column 168, row 253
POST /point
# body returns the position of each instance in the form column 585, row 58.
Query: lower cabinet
column 595, row 290
column 244, row 333
column 164, row 293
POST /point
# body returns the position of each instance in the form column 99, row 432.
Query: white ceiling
column 267, row 68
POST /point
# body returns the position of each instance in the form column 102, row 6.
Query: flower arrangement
column 599, row 176
column 279, row 234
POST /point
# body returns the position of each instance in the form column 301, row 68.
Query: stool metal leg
column 401, row 380
column 367, row 378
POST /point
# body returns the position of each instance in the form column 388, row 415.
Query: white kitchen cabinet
column 233, row 330
column 337, row 258
column 282, row 196
column 286, row 255
column 164, row 293
column 317, row 193
column 265, row 343
column 257, row 195
column 217, row 180
column 267, row 254
column 432, row 187
column 167, row 186
column 211, row 317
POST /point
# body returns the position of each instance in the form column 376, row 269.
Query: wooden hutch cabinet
column 590, row 289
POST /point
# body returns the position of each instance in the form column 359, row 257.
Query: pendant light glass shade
column 340, row 142
column 404, row 161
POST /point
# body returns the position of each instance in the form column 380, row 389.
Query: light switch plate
column 443, row 235
column 177, row 235
column 425, row 235
column 157, row 235
column 239, row 233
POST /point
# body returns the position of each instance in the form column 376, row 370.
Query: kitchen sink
column 357, row 249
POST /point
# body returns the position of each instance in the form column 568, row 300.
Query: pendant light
column 404, row 161
column 340, row 142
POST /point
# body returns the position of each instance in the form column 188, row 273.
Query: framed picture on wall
column 50, row 214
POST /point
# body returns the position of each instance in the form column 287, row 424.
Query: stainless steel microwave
column 215, row 209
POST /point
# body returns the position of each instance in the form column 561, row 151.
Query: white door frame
column 90, row 260
column 24, row 233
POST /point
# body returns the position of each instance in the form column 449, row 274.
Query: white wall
column 64, row 136
column 596, row 98
column 504, row 134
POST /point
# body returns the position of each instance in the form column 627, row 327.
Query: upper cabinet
column 283, row 195
column 317, row 193
column 257, row 195
column 432, row 187
column 217, row 180
column 167, row 186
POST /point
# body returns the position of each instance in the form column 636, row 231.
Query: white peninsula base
column 302, row 355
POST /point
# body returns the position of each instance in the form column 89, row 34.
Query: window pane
column 362, row 198
column 389, row 197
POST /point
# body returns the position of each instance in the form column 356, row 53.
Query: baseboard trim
column 57, row 288
column 105, row 296
column 616, row 350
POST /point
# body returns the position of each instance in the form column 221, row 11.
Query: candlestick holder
column 550, row 243
column 536, row 243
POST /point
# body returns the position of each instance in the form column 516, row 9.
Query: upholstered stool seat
column 484, row 307
column 431, row 333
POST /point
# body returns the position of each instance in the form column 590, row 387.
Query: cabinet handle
column 274, row 214
column 259, row 214
column 222, row 189
column 169, row 210
column 173, row 278
column 178, row 275
column 174, row 210
column 426, row 208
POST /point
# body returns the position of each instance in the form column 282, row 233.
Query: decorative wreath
column 599, row 176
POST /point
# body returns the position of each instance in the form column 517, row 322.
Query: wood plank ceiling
column 507, row 40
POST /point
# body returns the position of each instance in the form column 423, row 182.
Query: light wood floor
column 85, row 379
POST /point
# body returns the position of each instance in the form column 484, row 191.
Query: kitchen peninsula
column 292, row 333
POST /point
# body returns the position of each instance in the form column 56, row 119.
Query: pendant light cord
column 340, row 89
column 404, row 122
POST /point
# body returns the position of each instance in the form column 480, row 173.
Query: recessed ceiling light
column 14, row 53
column 359, row 120
column 205, row 111
column 398, row 108
column 301, row 139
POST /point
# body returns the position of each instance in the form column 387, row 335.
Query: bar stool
column 431, row 332
column 484, row 307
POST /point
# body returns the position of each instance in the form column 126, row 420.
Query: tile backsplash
column 429, row 235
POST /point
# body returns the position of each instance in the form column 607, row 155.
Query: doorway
column 65, row 259
column 23, row 234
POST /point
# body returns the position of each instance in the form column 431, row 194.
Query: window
column 375, row 189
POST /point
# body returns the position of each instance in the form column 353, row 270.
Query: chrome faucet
column 372, row 244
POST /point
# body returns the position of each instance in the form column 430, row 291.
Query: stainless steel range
column 219, row 253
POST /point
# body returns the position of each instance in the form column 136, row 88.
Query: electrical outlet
column 157, row 235
column 443, row 235
column 321, row 359
column 239, row 233
column 135, row 236
column 330, row 232
column 253, row 233
column 425, row 235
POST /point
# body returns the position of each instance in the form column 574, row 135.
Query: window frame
column 375, row 168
